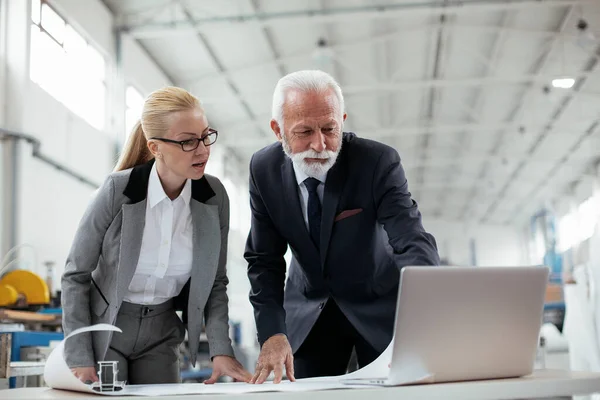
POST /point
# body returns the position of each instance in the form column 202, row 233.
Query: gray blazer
column 104, row 256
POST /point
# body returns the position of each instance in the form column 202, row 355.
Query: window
column 134, row 102
column 579, row 224
column 567, row 232
column 589, row 215
column 66, row 66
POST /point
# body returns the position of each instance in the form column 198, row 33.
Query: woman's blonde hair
column 155, row 121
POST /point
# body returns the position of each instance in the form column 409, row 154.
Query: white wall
column 51, row 203
column 495, row 245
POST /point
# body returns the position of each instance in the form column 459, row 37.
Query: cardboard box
column 554, row 293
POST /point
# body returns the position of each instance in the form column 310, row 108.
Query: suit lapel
column 334, row 185
column 206, row 250
column 207, row 245
column 292, row 202
column 132, row 230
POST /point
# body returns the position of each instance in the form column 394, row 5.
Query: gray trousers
column 148, row 348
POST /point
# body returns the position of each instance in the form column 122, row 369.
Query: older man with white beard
column 341, row 204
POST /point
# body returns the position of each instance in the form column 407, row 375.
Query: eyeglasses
column 192, row 144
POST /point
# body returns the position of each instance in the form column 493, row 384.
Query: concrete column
column 117, row 105
column 8, row 194
column 15, row 28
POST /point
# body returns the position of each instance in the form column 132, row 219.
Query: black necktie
column 313, row 210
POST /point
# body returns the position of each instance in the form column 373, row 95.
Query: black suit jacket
column 370, row 229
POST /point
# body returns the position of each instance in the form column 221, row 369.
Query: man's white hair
column 305, row 81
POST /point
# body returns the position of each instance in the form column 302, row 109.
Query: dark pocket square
column 347, row 213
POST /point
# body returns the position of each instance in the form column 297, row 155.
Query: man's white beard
column 312, row 169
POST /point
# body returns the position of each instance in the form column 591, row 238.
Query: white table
column 542, row 384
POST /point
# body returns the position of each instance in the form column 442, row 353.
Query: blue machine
column 29, row 339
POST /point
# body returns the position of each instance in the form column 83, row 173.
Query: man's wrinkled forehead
column 311, row 104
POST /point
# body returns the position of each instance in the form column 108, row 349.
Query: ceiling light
column 563, row 83
column 585, row 37
column 323, row 55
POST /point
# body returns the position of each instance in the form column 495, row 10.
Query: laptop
column 464, row 323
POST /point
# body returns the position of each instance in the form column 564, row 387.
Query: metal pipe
column 9, row 191
column 36, row 144
column 317, row 15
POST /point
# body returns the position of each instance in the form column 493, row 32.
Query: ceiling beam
column 537, row 68
column 220, row 67
column 373, row 39
column 437, row 82
column 476, row 161
column 432, row 83
column 148, row 11
column 266, row 31
column 429, row 110
column 562, row 107
column 592, row 130
column 237, row 135
column 335, row 66
column 340, row 14
column 493, row 59
column 479, row 99
column 111, row 7
column 462, row 187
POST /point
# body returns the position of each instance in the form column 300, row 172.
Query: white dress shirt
column 165, row 261
column 300, row 177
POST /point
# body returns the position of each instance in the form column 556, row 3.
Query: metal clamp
column 107, row 377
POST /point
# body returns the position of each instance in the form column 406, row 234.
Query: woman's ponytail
column 136, row 150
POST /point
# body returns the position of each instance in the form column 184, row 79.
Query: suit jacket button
column 321, row 306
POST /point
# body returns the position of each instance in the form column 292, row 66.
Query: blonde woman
column 153, row 241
